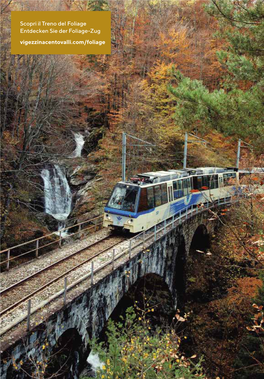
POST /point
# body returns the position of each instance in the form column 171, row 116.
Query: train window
column 151, row 202
column 206, row 182
column 189, row 181
column 229, row 178
column 164, row 193
column 143, row 202
column 123, row 197
column 243, row 174
column 157, row 191
column 244, row 178
column 213, row 181
column 180, row 188
column 185, row 187
column 177, row 189
column 199, row 182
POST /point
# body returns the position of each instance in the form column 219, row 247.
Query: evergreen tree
column 98, row 5
column 237, row 107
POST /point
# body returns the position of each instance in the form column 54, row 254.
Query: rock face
column 50, row 222
column 85, row 206
column 82, row 179
column 82, row 174
column 92, row 142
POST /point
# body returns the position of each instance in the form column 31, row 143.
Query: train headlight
column 130, row 221
column 108, row 217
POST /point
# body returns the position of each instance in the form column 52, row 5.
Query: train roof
column 185, row 172
column 208, row 170
column 163, row 176
column 164, row 173
column 258, row 169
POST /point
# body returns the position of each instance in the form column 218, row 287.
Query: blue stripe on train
column 126, row 213
column 185, row 202
column 175, row 208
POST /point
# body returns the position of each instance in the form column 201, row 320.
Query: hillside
column 175, row 66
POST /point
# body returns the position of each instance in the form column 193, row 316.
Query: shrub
column 135, row 351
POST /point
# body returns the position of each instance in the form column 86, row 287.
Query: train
column 147, row 199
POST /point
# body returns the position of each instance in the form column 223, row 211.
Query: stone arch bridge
column 84, row 316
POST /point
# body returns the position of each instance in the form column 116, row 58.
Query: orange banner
column 60, row 32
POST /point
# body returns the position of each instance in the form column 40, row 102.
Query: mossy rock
column 91, row 142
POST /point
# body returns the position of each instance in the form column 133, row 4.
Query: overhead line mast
column 124, row 150
column 239, row 147
column 200, row 140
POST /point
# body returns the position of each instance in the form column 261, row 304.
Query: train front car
column 144, row 201
column 120, row 211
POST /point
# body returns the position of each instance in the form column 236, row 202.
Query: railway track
column 19, row 292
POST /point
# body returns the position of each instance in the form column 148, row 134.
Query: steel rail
column 50, row 266
column 6, row 310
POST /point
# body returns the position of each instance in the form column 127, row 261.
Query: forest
column 175, row 66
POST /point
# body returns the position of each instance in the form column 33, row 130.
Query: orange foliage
column 244, row 290
column 175, row 34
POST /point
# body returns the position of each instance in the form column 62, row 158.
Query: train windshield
column 124, row 198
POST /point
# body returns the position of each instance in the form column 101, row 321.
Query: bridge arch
column 200, row 239
column 67, row 356
column 148, row 292
column 179, row 279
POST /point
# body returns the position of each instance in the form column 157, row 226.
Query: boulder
column 49, row 221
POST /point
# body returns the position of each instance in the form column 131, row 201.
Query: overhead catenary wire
column 147, row 153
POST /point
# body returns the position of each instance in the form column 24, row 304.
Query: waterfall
column 58, row 197
column 79, row 140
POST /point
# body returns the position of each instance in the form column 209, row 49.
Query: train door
column 220, row 180
column 170, row 192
